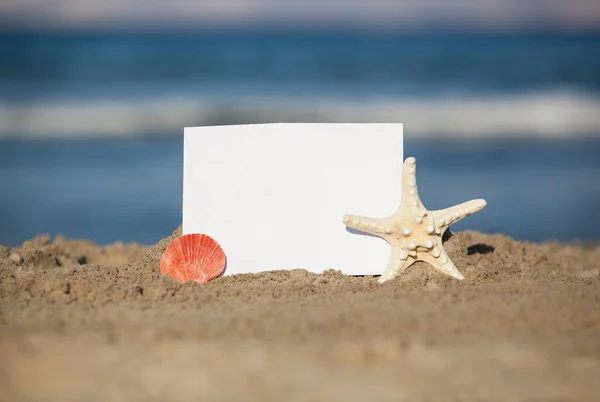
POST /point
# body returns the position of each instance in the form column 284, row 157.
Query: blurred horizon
column 376, row 16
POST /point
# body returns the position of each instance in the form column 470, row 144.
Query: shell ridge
column 195, row 256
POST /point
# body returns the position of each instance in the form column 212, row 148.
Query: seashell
column 195, row 257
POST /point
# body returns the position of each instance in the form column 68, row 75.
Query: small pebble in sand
column 16, row 258
column 432, row 286
column 42, row 240
column 589, row 274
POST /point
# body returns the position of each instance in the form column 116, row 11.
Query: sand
column 79, row 322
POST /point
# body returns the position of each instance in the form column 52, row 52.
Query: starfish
column 413, row 232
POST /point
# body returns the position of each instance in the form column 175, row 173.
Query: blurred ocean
column 91, row 125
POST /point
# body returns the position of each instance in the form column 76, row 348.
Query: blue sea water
column 132, row 85
column 91, row 124
column 131, row 190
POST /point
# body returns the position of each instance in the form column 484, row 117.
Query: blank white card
column 273, row 195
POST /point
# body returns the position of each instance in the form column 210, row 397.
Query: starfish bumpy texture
column 413, row 232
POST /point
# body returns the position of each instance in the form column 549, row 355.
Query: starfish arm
column 397, row 263
column 410, row 193
column 367, row 225
column 446, row 217
column 442, row 263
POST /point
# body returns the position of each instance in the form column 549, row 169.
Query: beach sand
column 82, row 322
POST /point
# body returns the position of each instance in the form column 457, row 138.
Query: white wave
column 556, row 114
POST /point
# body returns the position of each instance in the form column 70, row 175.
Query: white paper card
column 273, row 195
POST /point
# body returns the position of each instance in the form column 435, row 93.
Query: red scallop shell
column 195, row 257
